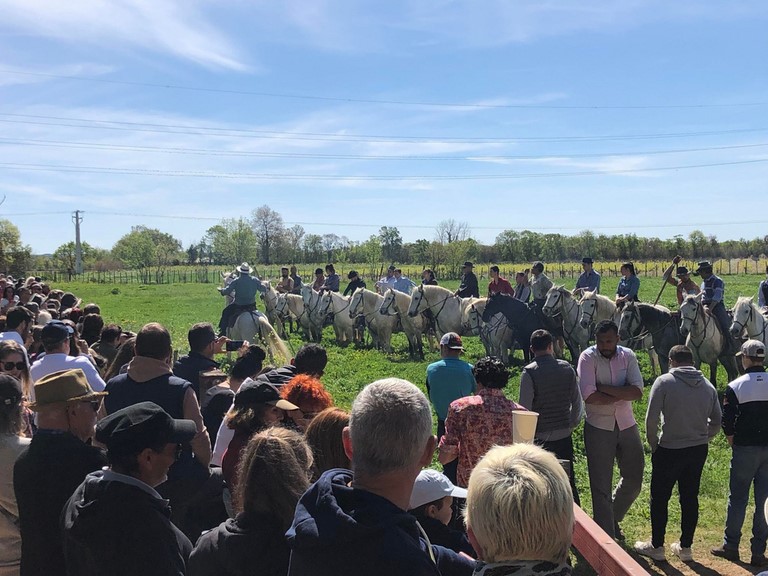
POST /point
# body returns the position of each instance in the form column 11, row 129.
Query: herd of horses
column 502, row 322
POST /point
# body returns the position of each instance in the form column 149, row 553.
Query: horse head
column 281, row 305
column 356, row 303
column 492, row 307
column 629, row 318
column 388, row 304
column 690, row 311
column 588, row 305
column 324, row 305
column 742, row 315
column 554, row 298
column 416, row 297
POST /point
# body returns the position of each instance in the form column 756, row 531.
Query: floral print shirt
column 475, row 424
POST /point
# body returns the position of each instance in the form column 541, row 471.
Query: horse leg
column 655, row 364
column 713, row 373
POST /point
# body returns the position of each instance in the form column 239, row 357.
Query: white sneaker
column 684, row 554
column 647, row 549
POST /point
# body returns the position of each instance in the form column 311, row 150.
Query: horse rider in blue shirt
column 589, row 280
column 629, row 285
column 332, row 280
column 403, row 283
column 245, row 288
column 713, row 292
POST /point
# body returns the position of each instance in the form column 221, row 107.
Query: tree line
column 263, row 238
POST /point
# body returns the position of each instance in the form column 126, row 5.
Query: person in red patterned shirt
column 499, row 285
column 476, row 423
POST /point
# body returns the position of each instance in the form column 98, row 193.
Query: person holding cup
column 475, row 423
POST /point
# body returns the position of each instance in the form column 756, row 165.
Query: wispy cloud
column 180, row 29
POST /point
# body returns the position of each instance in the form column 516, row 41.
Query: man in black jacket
column 116, row 523
column 203, row 345
column 53, row 465
column 745, row 411
column 468, row 287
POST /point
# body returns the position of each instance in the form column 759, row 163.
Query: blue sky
column 639, row 116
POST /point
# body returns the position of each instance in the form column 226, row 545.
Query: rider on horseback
column 245, row 288
column 713, row 289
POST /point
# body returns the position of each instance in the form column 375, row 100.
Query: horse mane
column 656, row 313
column 433, row 288
column 747, row 300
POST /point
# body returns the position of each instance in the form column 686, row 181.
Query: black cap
column 140, row 426
column 587, row 260
column 391, row 267
column 259, row 392
column 682, row 271
column 702, row 266
column 56, row 331
column 352, row 274
column 468, row 264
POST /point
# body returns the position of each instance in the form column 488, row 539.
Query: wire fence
column 213, row 274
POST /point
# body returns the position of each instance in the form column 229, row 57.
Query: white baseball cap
column 431, row 485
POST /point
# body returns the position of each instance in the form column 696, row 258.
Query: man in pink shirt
column 610, row 380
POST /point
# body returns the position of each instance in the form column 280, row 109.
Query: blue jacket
column 342, row 530
column 629, row 286
column 246, row 287
column 713, row 289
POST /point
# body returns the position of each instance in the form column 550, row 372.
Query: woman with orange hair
column 309, row 395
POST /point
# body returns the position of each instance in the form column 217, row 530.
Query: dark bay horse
column 521, row 319
column 639, row 319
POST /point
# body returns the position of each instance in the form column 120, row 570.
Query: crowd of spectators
column 118, row 460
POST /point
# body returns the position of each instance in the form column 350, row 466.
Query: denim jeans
column 749, row 464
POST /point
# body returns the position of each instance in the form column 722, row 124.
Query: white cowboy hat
column 244, row 268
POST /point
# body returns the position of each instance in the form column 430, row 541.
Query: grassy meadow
column 178, row 306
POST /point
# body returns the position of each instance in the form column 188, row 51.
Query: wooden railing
column 600, row 550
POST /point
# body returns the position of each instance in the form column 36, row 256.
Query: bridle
column 590, row 315
column 750, row 316
column 429, row 306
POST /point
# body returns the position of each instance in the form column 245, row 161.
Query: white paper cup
column 524, row 425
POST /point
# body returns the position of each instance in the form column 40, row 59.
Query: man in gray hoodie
column 687, row 405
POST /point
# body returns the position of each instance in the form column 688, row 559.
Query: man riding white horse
column 245, row 288
column 713, row 289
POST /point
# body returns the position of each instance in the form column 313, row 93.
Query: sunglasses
column 7, row 366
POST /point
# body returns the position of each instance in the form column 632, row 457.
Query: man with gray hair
column 351, row 522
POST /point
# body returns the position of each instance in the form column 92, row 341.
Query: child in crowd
column 432, row 504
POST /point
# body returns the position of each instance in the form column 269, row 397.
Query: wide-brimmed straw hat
column 244, row 268
column 63, row 387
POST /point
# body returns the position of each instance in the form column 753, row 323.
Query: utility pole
column 77, row 219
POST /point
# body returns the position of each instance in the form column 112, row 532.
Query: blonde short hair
column 520, row 505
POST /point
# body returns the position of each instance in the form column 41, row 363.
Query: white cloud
column 176, row 28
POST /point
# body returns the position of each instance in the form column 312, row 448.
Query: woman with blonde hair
column 519, row 513
column 273, row 474
column 11, row 445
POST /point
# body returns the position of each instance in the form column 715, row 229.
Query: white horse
column 311, row 300
column 337, row 305
column 496, row 334
column 380, row 326
column 294, row 304
column 747, row 317
column 704, row 338
column 561, row 304
column 396, row 303
column 271, row 298
column 448, row 310
column 254, row 325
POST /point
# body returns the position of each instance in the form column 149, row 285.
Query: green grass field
column 179, row 306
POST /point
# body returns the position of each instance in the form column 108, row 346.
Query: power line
column 329, row 177
column 197, row 130
column 215, row 152
column 384, row 101
column 405, row 226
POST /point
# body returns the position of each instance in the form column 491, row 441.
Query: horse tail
column 277, row 347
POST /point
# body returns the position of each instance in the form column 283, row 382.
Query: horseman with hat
column 713, row 289
column 683, row 283
column 245, row 288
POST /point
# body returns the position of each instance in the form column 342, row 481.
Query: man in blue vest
column 245, row 288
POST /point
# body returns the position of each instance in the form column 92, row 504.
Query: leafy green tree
column 391, row 243
column 64, row 256
column 148, row 250
column 15, row 257
column 269, row 230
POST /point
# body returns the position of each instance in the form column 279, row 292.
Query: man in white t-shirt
column 55, row 336
column 18, row 323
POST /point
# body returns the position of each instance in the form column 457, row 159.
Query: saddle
column 240, row 310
